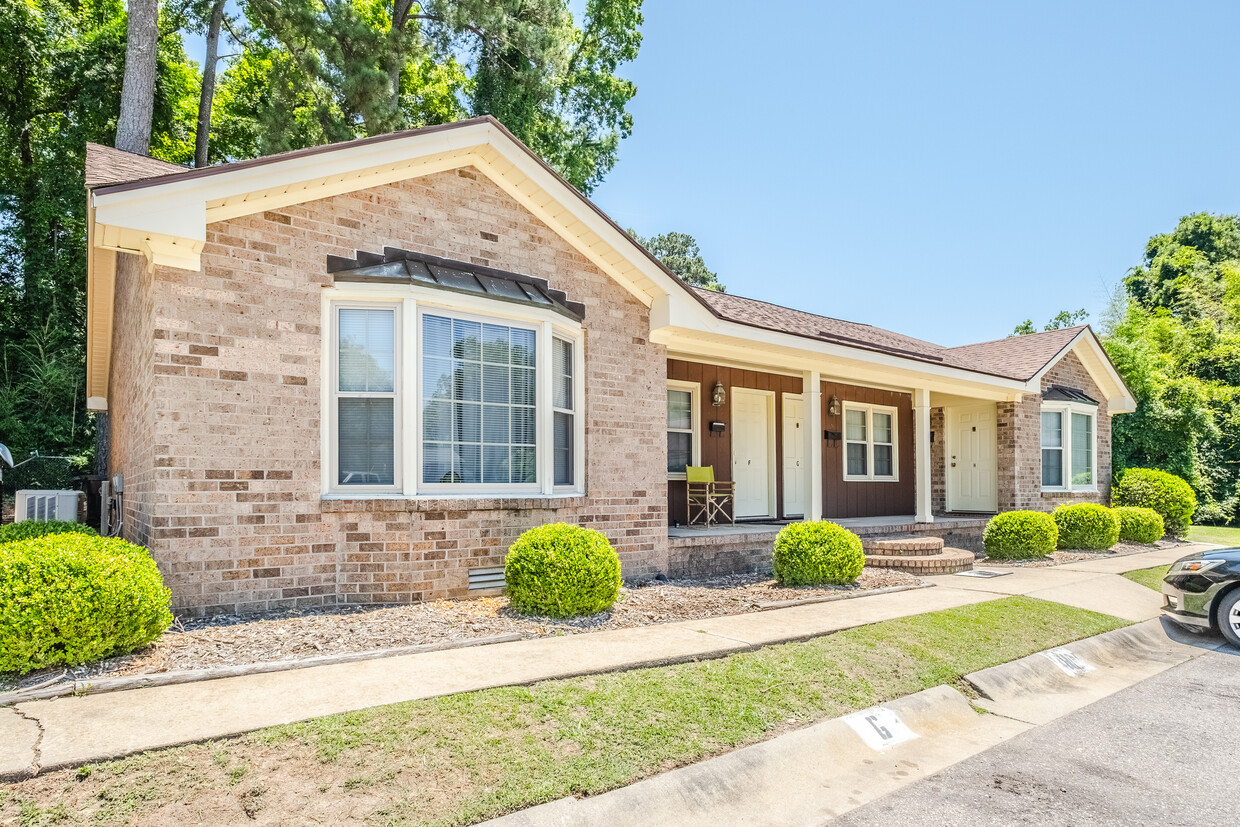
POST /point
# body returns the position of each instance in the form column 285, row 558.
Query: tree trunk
column 133, row 127
column 202, row 136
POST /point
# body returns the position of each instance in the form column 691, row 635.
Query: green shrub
column 29, row 529
column 1167, row 494
column 562, row 570
column 814, row 553
column 1086, row 526
column 1020, row 535
column 1139, row 525
column 72, row 598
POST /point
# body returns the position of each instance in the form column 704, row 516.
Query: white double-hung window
column 1069, row 446
column 870, row 443
column 437, row 394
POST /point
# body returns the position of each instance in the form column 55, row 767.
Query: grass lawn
column 464, row 758
column 1222, row 535
column 1149, row 577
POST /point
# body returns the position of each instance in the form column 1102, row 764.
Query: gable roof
column 106, row 165
column 1020, row 357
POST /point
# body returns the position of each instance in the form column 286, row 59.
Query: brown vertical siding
column 717, row 447
column 866, row 499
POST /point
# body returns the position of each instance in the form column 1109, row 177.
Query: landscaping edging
column 193, row 675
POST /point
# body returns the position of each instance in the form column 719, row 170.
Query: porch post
column 921, row 452
column 812, row 394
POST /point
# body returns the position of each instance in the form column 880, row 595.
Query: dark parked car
column 1202, row 591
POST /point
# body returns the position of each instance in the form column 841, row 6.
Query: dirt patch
column 294, row 634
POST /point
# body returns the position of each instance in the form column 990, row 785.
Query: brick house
column 355, row 373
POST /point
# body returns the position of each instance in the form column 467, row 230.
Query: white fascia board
column 1087, row 347
column 748, row 344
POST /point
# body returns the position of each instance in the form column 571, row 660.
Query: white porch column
column 812, row 394
column 921, row 453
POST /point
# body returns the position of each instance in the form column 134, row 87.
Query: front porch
column 703, row 551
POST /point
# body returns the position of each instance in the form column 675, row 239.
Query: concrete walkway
column 70, row 731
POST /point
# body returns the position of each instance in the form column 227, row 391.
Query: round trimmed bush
column 1167, row 494
column 1086, row 526
column 29, row 529
column 817, row 553
column 1020, row 535
column 562, row 570
column 1139, row 525
column 73, row 598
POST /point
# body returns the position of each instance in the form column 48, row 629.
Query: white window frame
column 695, row 419
column 411, row 302
column 1066, row 410
column 870, row 410
column 334, row 393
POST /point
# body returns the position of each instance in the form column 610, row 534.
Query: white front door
column 794, row 455
column 970, row 454
column 751, row 453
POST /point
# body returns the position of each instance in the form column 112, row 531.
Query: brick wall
column 1020, row 439
column 938, row 468
column 234, row 514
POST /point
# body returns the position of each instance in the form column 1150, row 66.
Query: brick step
column 902, row 546
column 947, row 561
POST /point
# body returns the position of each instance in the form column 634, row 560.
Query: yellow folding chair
column 709, row 501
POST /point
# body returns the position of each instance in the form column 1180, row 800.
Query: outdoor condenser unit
column 46, row 505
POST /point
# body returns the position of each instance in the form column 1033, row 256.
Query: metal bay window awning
column 396, row 266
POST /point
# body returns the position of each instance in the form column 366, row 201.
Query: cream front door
column 794, row 455
column 970, row 454
column 751, row 453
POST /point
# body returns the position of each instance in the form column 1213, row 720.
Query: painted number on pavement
column 879, row 727
column 1071, row 663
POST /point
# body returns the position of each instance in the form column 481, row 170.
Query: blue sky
column 942, row 169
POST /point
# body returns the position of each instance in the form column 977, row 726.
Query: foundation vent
column 486, row 578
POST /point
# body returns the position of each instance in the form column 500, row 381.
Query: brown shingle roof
column 1017, row 357
column 106, row 165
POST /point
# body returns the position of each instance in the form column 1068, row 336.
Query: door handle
column 953, row 465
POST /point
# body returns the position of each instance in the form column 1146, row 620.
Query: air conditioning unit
column 46, row 505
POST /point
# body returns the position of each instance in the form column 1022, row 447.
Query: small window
column 869, row 443
column 1069, row 449
column 682, row 435
column 562, row 406
column 366, row 396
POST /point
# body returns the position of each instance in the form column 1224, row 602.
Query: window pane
column 467, row 464
column 524, row 465
column 495, row 384
column 522, row 426
column 882, row 461
column 1082, row 449
column 436, row 336
column 436, row 462
column 365, row 443
column 679, row 451
column 523, row 391
column 563, row 448
column 1052, row 467
column 1052, row 429
column 680, row 410
column 495, row 424
column 466, row 422
column 856, row 459
column 467, row 382
column 882, row 429
column 436, row 378
column 495, row 344
column 466, row 340
column 437, row 421
column 522, row 347
column 367, row 350
column 854, row 426
column 495, row 463
column 563, row 367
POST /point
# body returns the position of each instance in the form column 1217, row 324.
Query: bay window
column 428, row 398
column 1069, row 449
column 869, row 443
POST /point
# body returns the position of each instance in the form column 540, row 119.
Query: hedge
column 73, row 598
column 1170, row 496
column 817, row 553
column 1020, row 535
column 562, row 570
column 29, row 529
column 1086, row 526
column 1139, row 525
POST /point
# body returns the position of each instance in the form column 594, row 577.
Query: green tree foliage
column 1062, row 319
column 315, row 71
column 1175, row 338
column 679, row 253
column 60, row 87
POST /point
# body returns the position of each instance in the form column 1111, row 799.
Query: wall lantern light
column 833, row 407
column 718, row 395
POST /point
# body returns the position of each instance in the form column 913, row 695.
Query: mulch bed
column 295, row 634
column 1058, row 558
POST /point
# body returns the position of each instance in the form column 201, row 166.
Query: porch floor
column 859, row 525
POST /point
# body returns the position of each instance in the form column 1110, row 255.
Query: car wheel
column 1229, row 617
